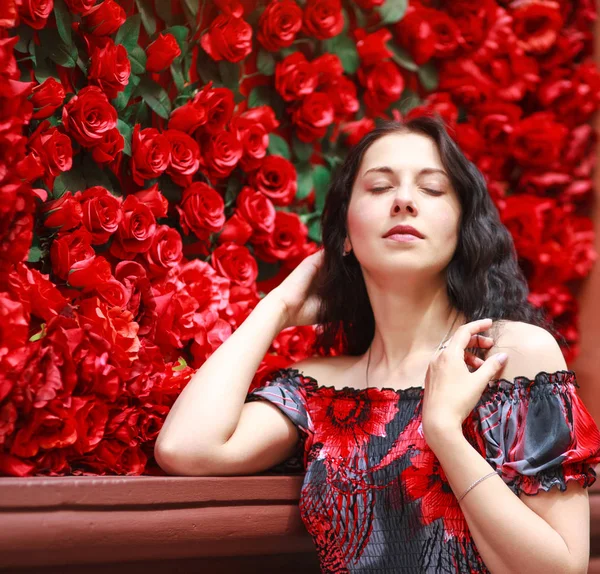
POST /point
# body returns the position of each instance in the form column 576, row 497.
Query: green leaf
column 207, row 68
column 278, row 146
column 178, row 76
column 137, row 57
column 345, row 48
column 71, row 180
column 407, row 101
column 265, row 63
column 259, row 96
column 147, row 14
column 305, row 181
column 44, row 70
column 234, row 187
column 428, row 76
column 180, row 33
column 392, row 11
column 314, row 230
column 122, row 99
column 40, row 334
column 181, row 364
column 302, row 150
column 402, row 57
column 192, row 6
column 57, row 50
column 64, row 20
column 230, row 75
column 156, row 97
column 95, row 175
column 129, row 32
column 321, row 179
column 126, row 131
column 25, row 34
column 163, row 11
column 35, row 254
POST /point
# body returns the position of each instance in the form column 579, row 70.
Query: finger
column 462, row 336
column 481, row 341
column 490, row 367
column 473, row 360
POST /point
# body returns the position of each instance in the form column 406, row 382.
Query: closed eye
column 433, row 191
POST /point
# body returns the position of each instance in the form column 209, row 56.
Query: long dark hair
column 483, row 277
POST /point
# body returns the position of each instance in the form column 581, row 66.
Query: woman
column 425, row 442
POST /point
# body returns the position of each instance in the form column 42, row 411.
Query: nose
column 403, row 200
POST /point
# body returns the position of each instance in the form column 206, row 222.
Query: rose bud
column 162, row 52
column 46, row 98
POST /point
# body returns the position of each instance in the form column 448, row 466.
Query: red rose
column 263, row 115
column 221, row 153
column 277, row 179
column 162, row 52
column 101, row 213
column 185, row 157
column 105, row 18
column 80, row 6
column 210, row 290
column 313, row 116
column 236, row 229
column 154, row 199
column 228, row 38
column 219, row 105
column 536, row 25
column 236, row 263
column 89, row 116
column 287, row 238
column 14, row 329
column 383, row 85
column 91, row 415
column 150, row 154
column 474, row 21
column 329, row 70
column 296, row 342
column 538, row 140
column 279, row 24
column 416, row 34
column 46, row 428
column 202, row 210
column 354, row 131
column 89, row 273
column 98, row 376
column 115, row 457
column 136, row 229
column 372, row 48
column 344, row 98
column 140, row 298
column 295, row 78
column 35, row 13
column 41, row 295
column 53, row 149
column 439, row 103
column 188, row 118
column 323, row 18
column 254, row 140
column 46, row 98
column 165, row 252
column 69, row 248
column 112, row 292
column 64, row 212
column 109, row 148
column 258, row 210
column 110, row 67
column 212, row 335
column 242, row 300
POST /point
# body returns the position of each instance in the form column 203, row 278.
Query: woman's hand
column 451, row 390
column 295, row 292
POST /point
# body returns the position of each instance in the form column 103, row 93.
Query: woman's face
column 401, row 181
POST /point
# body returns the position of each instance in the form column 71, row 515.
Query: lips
column 404, row 230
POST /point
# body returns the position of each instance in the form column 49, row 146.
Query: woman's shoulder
column 530, row 349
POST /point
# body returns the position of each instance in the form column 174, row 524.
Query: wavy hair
column 483, row 278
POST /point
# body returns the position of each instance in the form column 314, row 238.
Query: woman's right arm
column 210, row 430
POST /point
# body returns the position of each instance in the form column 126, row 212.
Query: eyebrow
column 387, row 169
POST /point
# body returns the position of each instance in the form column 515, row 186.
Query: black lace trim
column 496, row 387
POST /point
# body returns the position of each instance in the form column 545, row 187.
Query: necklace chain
column 439, row 345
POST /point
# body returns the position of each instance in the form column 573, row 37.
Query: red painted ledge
column 155, row 524
column 97, row 520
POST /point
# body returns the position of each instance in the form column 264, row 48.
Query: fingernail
column 502, row 357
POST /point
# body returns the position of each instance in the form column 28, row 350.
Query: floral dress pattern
column 375, row 498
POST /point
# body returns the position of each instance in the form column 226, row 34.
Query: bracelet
column 476, row 483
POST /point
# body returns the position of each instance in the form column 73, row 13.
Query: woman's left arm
column 547, row 532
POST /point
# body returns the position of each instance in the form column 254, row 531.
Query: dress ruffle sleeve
column 285, row 389
column 538, row 433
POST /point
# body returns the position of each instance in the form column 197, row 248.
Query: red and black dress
column 375, row 498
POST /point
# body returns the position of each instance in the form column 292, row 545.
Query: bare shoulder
column 335, row 371
column 530, row 349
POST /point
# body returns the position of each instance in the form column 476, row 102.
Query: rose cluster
column 165, row 165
